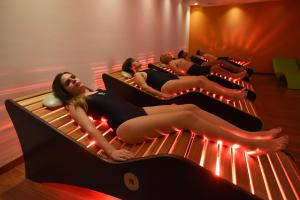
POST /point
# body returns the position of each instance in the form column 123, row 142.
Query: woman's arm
column 173, row 65
column 140, row 79
column 80, row 116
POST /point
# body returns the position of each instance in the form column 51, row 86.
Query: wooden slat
column 242, row 176
column 30, row 101
column 77, row 134
column 116, row 143
column 290, row 170
column 55, row 114
column 181, row 147
column 61, row 121
column 42, row 111
column 256, row 177
column 271, row 181
column 211, row 157
column 281, row 179
column 66, row 129
column 24, row 98
column 34, row 106
column 225, row 164
column 168, row 143
column 154, row 147
column 196, row 149
column 144, row 148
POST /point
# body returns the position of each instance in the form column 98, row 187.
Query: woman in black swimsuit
column 165, row 85
column 134, row 124
column 197, row 66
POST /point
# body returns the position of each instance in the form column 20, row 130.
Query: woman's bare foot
column 264, row 146
column 237, row 94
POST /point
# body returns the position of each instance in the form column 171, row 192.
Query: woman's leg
column 138, row 129
column 214, row 119
column 224, row 72
column 231, row 67
column 187, row 82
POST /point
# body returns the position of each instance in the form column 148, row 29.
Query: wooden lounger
column 176, row 166
column 240, row 113
column 200, row 59
column 218, row 78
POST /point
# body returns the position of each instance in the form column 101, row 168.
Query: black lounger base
column 52, row 157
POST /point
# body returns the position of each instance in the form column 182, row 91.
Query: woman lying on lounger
column 135, row 124
column 165, row 85
column 183, row 67
column 201, row 56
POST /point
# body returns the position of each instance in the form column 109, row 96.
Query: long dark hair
column 61, row 93
column 127, row 66
column 181, row 54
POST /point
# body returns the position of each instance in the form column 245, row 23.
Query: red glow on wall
column 25, row 88
column 83, row 193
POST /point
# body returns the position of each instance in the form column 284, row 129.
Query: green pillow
column 51, row 101
column 126, row 74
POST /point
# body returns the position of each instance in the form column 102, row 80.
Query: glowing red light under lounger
column 175, row 141
column 203, row 154
column 150, row 147
column 91, row 144
column 160, row 146
column 219, row 151
column 249, row 173
column 84, row 136
column 233, row 170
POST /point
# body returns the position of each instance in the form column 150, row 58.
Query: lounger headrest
column 51, row 101
column 126, row 74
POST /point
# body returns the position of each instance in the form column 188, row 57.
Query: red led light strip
column 151, row 145
column 47, row 114
column 160, row 146
column 92, row 143
column 58, row 118
column 249, row 173
column 71, row 121
column 203, row 154
column 233, row 169
column 189, row 144
column 241, row 105
column 178, row 132
column 218, row 161
column 246, row 105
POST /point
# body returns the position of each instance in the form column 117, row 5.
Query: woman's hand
column 121, row 154
column 167, row 96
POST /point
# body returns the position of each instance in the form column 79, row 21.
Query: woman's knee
column 168, row 88
column 184, row 117
column 129, row 133
column 190, row 107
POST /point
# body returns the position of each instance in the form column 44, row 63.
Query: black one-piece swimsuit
column 114, row 108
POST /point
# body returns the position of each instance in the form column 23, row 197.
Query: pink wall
column 40, row 38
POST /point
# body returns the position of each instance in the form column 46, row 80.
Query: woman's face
column 136, row 65
column 72, row 84
column 167, row 56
